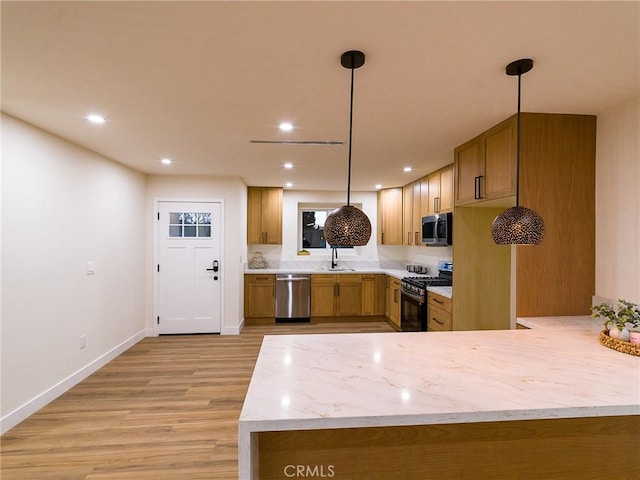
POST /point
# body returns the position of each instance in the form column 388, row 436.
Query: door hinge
column 158, row 267
column 158, row 215
column 158, row 320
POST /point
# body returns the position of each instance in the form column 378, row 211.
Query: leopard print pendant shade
column 518, row 226
column 347, row 226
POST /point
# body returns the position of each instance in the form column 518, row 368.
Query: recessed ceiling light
column 288, row 184
column 166, row 161
column 378, row 186
column 288, row 165
column 286, row 126
column 407, row 169
column 95, row 118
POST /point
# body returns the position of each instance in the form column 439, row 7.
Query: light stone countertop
column 557, row 369
column 444, row 291
column 397, row 273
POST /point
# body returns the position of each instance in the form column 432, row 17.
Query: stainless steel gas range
column 413, row 311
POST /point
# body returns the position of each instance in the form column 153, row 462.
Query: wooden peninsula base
column 569, row 448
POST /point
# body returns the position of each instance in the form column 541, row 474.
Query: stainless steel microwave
column 437, row 229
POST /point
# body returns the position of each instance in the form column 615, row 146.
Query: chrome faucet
column 334, row 257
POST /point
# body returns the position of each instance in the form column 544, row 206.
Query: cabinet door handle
column 437, row 321
column 382, row 238
column 476, row 180
column 408, row 238
column 436, row 201
column 395, row 296
column 437, row 301
column 480, row 179
column 417, row 238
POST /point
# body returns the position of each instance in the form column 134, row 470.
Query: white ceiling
column 195, row 81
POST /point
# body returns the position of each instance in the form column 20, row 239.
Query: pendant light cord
column 350, row 136
column 518, row 145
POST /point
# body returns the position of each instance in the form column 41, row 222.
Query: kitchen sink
column 337, row 269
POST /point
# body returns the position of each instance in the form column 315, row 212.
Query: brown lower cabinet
column 336, row 295
column 373, row 294
column 260, row 296
column 439, row 310
column 393, row 301
column 332, row 295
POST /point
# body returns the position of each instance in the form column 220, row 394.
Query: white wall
column 384, row 255
column 63, row 206
column 618, row 203
column 233, row 192
column 429, row 256
column 291, row 218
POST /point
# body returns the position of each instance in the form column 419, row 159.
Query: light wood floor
column 167, row 408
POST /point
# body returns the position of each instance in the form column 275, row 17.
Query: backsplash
column 389, row 258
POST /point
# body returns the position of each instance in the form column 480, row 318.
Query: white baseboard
column 21, row 413
column 151, row 332
column 232, row 330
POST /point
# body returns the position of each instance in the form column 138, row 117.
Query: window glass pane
column 190, row 218
column 190, row 231
column 204, row 231
column 204, row 218
column 175, row 218
column 175, row 231
column 313, row 229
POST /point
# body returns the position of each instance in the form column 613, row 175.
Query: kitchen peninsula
column 545, row 402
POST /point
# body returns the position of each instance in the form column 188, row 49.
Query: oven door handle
column 413, row 296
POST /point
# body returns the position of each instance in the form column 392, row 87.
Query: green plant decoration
column 625, row 312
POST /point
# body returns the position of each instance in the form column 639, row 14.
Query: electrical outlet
column 91, row 268
column 83, row 341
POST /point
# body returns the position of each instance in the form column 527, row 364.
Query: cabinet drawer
column 261, row 278
column 349, row 277
column 322, row 279
column 439, row 320
column 438, row 301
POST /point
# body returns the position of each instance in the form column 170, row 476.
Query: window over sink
column 311, row 226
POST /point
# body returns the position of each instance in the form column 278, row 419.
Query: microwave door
column 429, row 232
column 441, row 230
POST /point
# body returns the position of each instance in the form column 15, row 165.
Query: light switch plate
column 91, row 268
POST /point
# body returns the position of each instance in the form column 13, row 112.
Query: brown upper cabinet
column 264, row 216
column 400, row 210
column 428, row 196
column 438, row 187
column 390, row 216
column 485, row 166
column 411, row 214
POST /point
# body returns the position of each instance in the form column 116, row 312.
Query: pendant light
column 518, row 225
column 348, row 226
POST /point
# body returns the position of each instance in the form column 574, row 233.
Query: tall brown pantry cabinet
column 557, row 179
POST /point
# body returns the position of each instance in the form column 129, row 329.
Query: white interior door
column 189, row 267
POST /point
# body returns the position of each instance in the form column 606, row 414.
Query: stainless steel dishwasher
column 293, row 297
